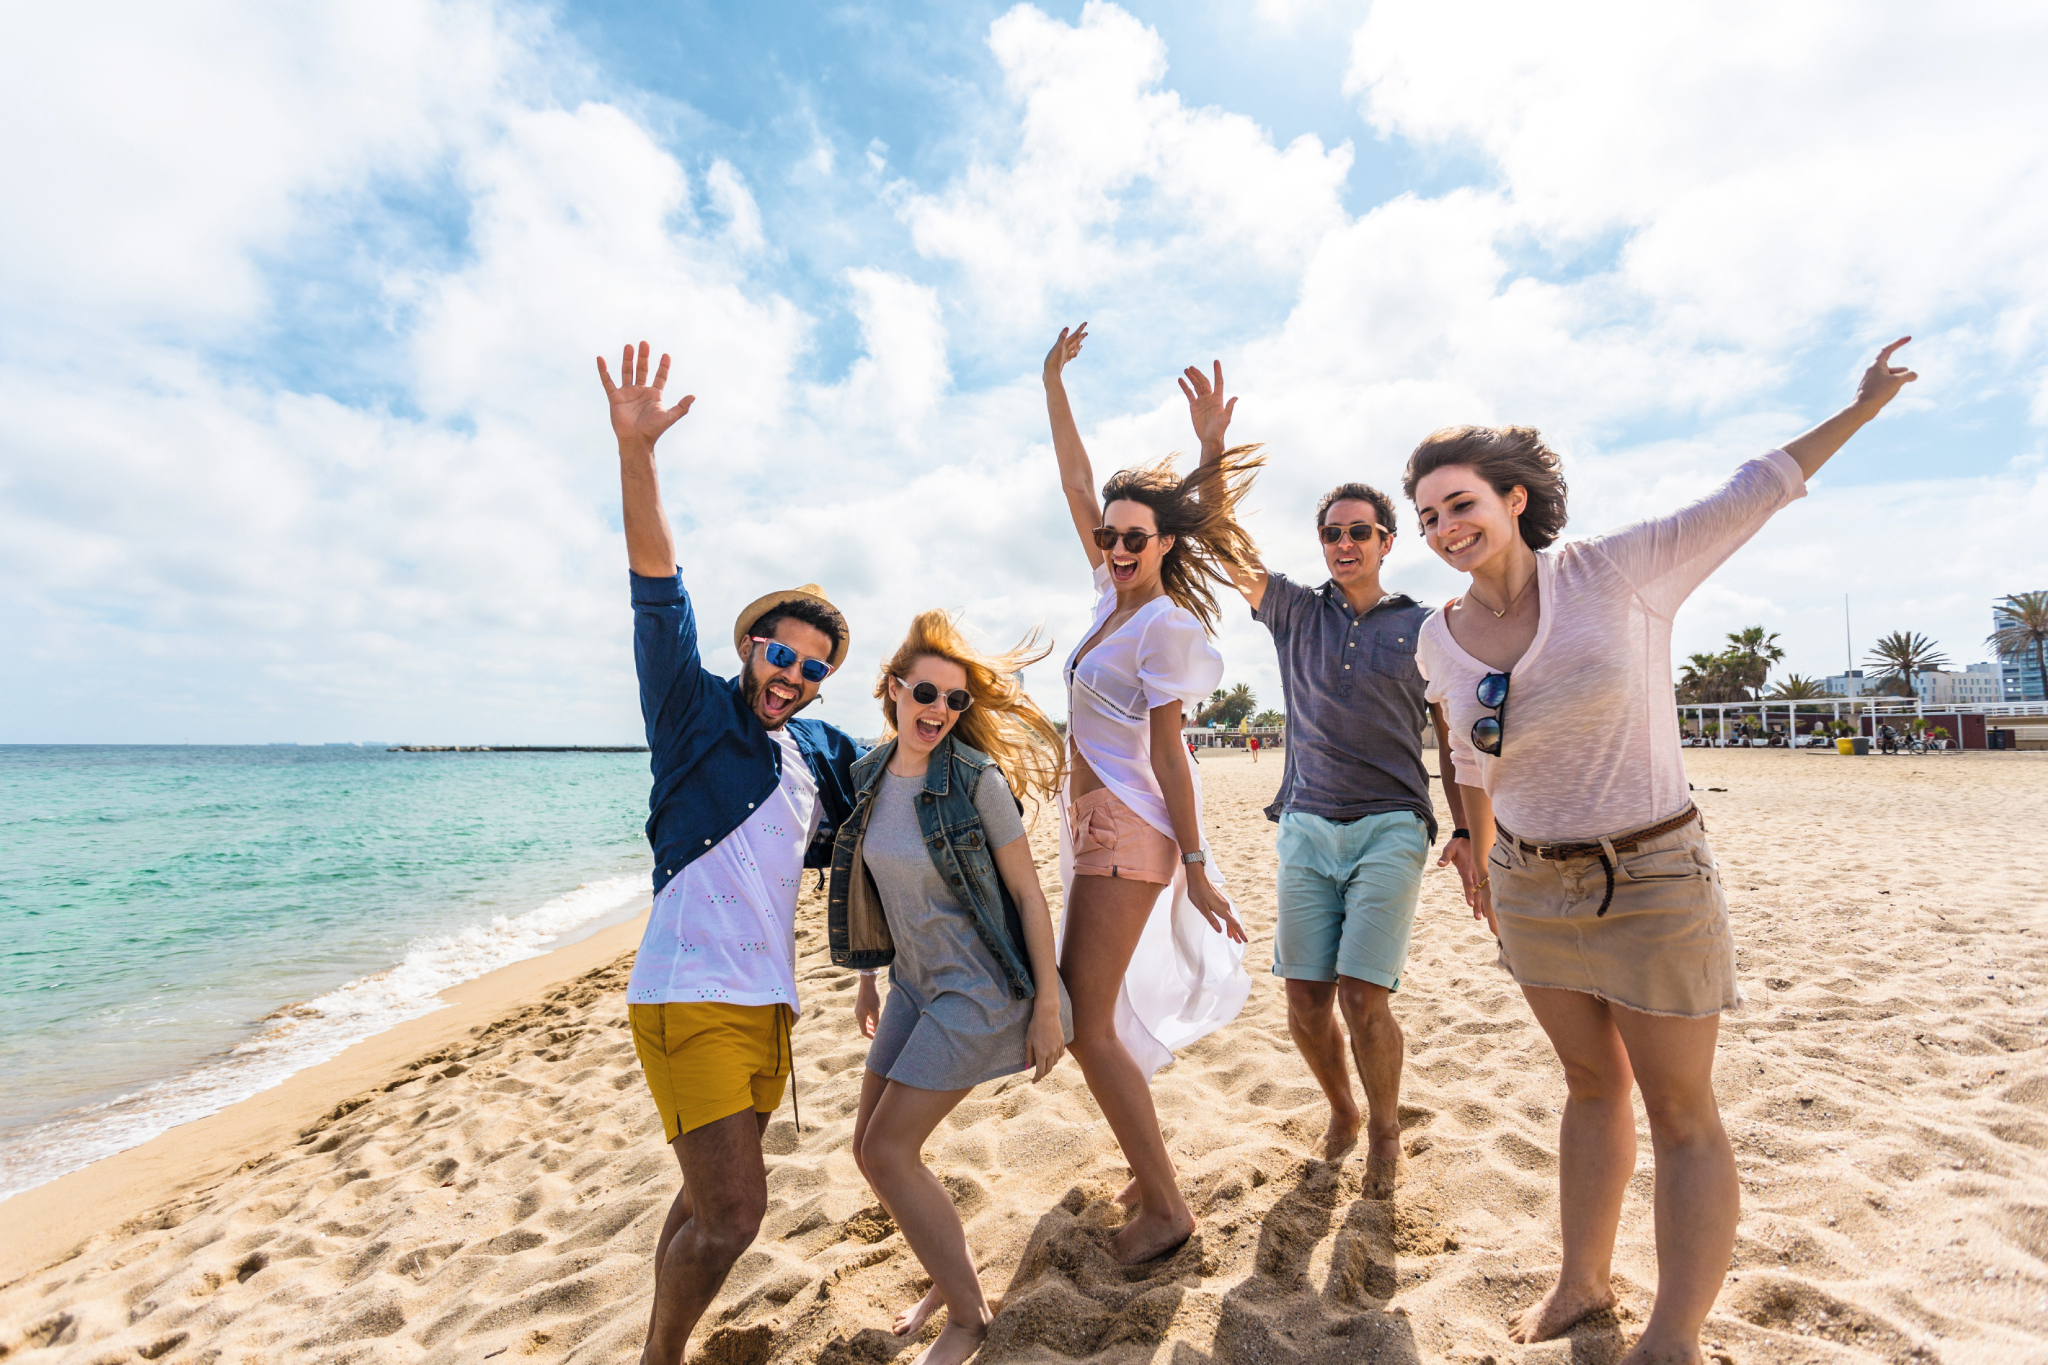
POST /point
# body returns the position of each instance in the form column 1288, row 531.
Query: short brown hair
column 1507, row 458
column 1382, row 505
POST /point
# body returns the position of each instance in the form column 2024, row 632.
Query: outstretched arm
column 1211, row 416
column 1879, row 385
column 638, row 420
column 1077, row 477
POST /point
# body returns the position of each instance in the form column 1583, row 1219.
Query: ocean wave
column 308, row 1033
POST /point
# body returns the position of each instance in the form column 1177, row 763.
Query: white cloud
column 181, row 540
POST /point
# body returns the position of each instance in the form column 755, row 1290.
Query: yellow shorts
column 708, row 1060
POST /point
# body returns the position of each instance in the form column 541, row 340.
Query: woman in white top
column 1143, row 985
column 1554, row 669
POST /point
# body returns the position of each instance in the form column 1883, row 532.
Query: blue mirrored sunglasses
column 1489, row 731
column 780, row 655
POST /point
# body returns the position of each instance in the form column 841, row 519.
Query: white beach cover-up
column 1185, row 980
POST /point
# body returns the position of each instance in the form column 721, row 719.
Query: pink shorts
column 1112, row 840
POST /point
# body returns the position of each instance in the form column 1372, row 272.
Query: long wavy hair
column 1200, row 513
column 1004, row 722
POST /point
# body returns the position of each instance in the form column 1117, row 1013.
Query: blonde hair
column 1200, row 513
column 1004, row 722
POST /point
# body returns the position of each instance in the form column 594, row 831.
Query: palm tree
column 1710, row 678
column 1905, row 655
column 1269, row 720
column 1758, row 650
column 2022, row 627
column 1797, row 687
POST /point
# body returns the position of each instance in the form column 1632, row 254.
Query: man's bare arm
column 638, row 420
column 1211, row 416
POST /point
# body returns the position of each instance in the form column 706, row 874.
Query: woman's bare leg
column 1699, row 1195
column 1596, row 1155
column 891, row 1147
column 911, row 1320
column 1103, row 925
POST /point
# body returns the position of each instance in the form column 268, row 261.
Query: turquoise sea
column 185, row 926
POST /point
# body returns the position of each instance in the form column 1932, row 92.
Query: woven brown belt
column 1620, row 843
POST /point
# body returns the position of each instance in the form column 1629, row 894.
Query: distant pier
column 517, row 749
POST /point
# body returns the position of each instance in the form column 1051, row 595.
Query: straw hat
column 743, row 628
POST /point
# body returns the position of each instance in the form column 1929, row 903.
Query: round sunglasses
column 1489, row 731
column 781, row 655
column 924, row 694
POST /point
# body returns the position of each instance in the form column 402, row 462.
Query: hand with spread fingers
column 637, row 413
column 1210, row 414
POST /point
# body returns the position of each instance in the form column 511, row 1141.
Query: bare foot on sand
column 1558, row 1312
column 1148, row 1236
column 1341, row 1136
column 1382, row 1176
column 912, row 1319
column 1128, row 1196
column 955, row 1343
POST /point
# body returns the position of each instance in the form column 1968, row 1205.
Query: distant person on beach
column 745, row 797
column 1254, row 747
column 933, row 878
column 1555, row 670
column 1356, row 822
column 1143, row 984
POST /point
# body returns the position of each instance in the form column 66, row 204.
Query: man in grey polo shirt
column 1354, row 811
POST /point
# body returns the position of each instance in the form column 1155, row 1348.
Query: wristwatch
column 1196, row 857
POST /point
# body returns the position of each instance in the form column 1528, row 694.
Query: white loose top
column 724, row 928
column 1590, row 742
column 1185, row 979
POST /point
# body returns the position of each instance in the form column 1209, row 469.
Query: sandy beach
column 487, row 1182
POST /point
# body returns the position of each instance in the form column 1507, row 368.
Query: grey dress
column 950, row 1022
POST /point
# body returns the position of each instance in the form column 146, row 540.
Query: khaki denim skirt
column 1663, row 947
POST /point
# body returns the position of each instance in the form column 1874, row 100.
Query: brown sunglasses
column 1359, row 532
column 1134, row 541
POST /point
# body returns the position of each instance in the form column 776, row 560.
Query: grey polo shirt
column 1354, row 703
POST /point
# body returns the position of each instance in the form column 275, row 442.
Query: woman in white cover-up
column 1143, row 984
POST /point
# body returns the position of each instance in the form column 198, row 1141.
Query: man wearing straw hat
column 745, row 797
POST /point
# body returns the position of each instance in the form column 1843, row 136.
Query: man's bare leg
column 1312, row 1019
column 713, row 1220
column 1378, row 1048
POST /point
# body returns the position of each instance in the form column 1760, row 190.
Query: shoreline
column 49, row 1223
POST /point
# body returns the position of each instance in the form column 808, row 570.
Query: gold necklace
column 1511, row 601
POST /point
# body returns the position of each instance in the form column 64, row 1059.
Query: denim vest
column 856, row 925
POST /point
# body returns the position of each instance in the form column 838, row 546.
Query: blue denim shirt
column 856, row 927
column 711, row 757
column 1355, row 709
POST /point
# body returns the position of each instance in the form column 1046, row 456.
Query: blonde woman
column 1144, row 984
column 932, row 878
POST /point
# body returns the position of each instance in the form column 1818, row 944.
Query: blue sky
column 301, row 440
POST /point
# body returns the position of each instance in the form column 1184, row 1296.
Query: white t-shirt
column 1185, row 979
column 724, row 928
column 1590, row 743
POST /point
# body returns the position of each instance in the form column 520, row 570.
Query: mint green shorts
column 1347, row 896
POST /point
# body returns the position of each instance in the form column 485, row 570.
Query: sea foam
column 311, row 1032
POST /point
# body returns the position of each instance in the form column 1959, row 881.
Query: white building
column 1974, row 686
column 1850, row 684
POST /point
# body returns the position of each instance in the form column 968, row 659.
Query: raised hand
column 1883, row 380
column 1206, row 408
column 637, row 414
column 1064, row 350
